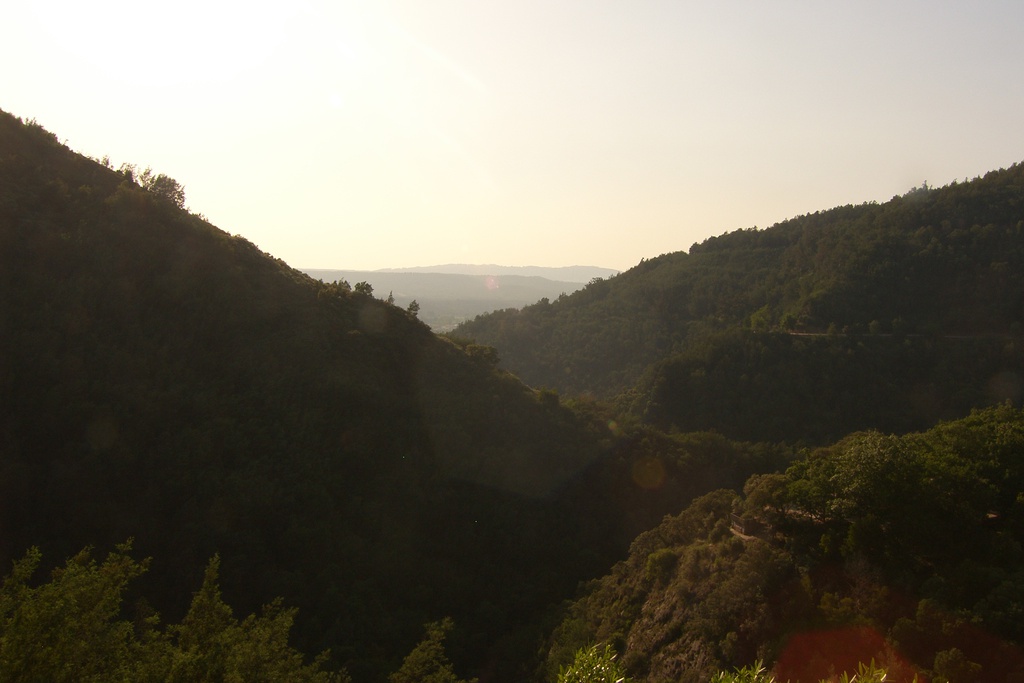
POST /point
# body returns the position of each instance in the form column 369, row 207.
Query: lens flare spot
column 491, row 283
column 818, row 655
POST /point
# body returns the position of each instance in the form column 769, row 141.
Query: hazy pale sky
column 364, row 135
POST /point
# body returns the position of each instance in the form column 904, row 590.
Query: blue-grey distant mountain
column 449, row 298
column 581, row 274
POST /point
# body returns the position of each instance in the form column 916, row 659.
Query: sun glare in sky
column 365, row 135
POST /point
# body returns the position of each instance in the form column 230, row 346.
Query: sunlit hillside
column 890, row 315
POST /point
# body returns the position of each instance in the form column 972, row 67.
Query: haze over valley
column 448, row 295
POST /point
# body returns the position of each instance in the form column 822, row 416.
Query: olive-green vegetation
column 71, row 628
column 905, row 550
column 756, row 673
column 428, row 662
column 593, row 665
column 917, row 304
column 597, row 665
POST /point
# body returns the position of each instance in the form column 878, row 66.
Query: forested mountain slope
column 163, row 380
column 924, row 292
column 902, row 550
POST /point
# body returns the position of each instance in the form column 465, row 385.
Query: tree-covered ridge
column 944, row 261
column 903, row 550
column 164, row 380
column 774, row 386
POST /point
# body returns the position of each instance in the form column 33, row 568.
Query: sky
column 365, row 135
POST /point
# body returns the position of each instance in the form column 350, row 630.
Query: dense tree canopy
column 166, row 381
column 901, row 293
column 903, row 550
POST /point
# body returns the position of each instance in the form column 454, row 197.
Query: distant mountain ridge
column 581, row 274
column 447, row 299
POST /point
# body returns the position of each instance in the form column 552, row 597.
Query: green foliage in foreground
column 756, row 673
column 593, row 664
column 72, row 628
column 596, row 664
column 428, row 663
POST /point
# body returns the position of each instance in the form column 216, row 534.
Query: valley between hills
column 794, row 452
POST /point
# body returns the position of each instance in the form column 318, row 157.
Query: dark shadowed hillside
column 166, row 381
column 886, row 315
